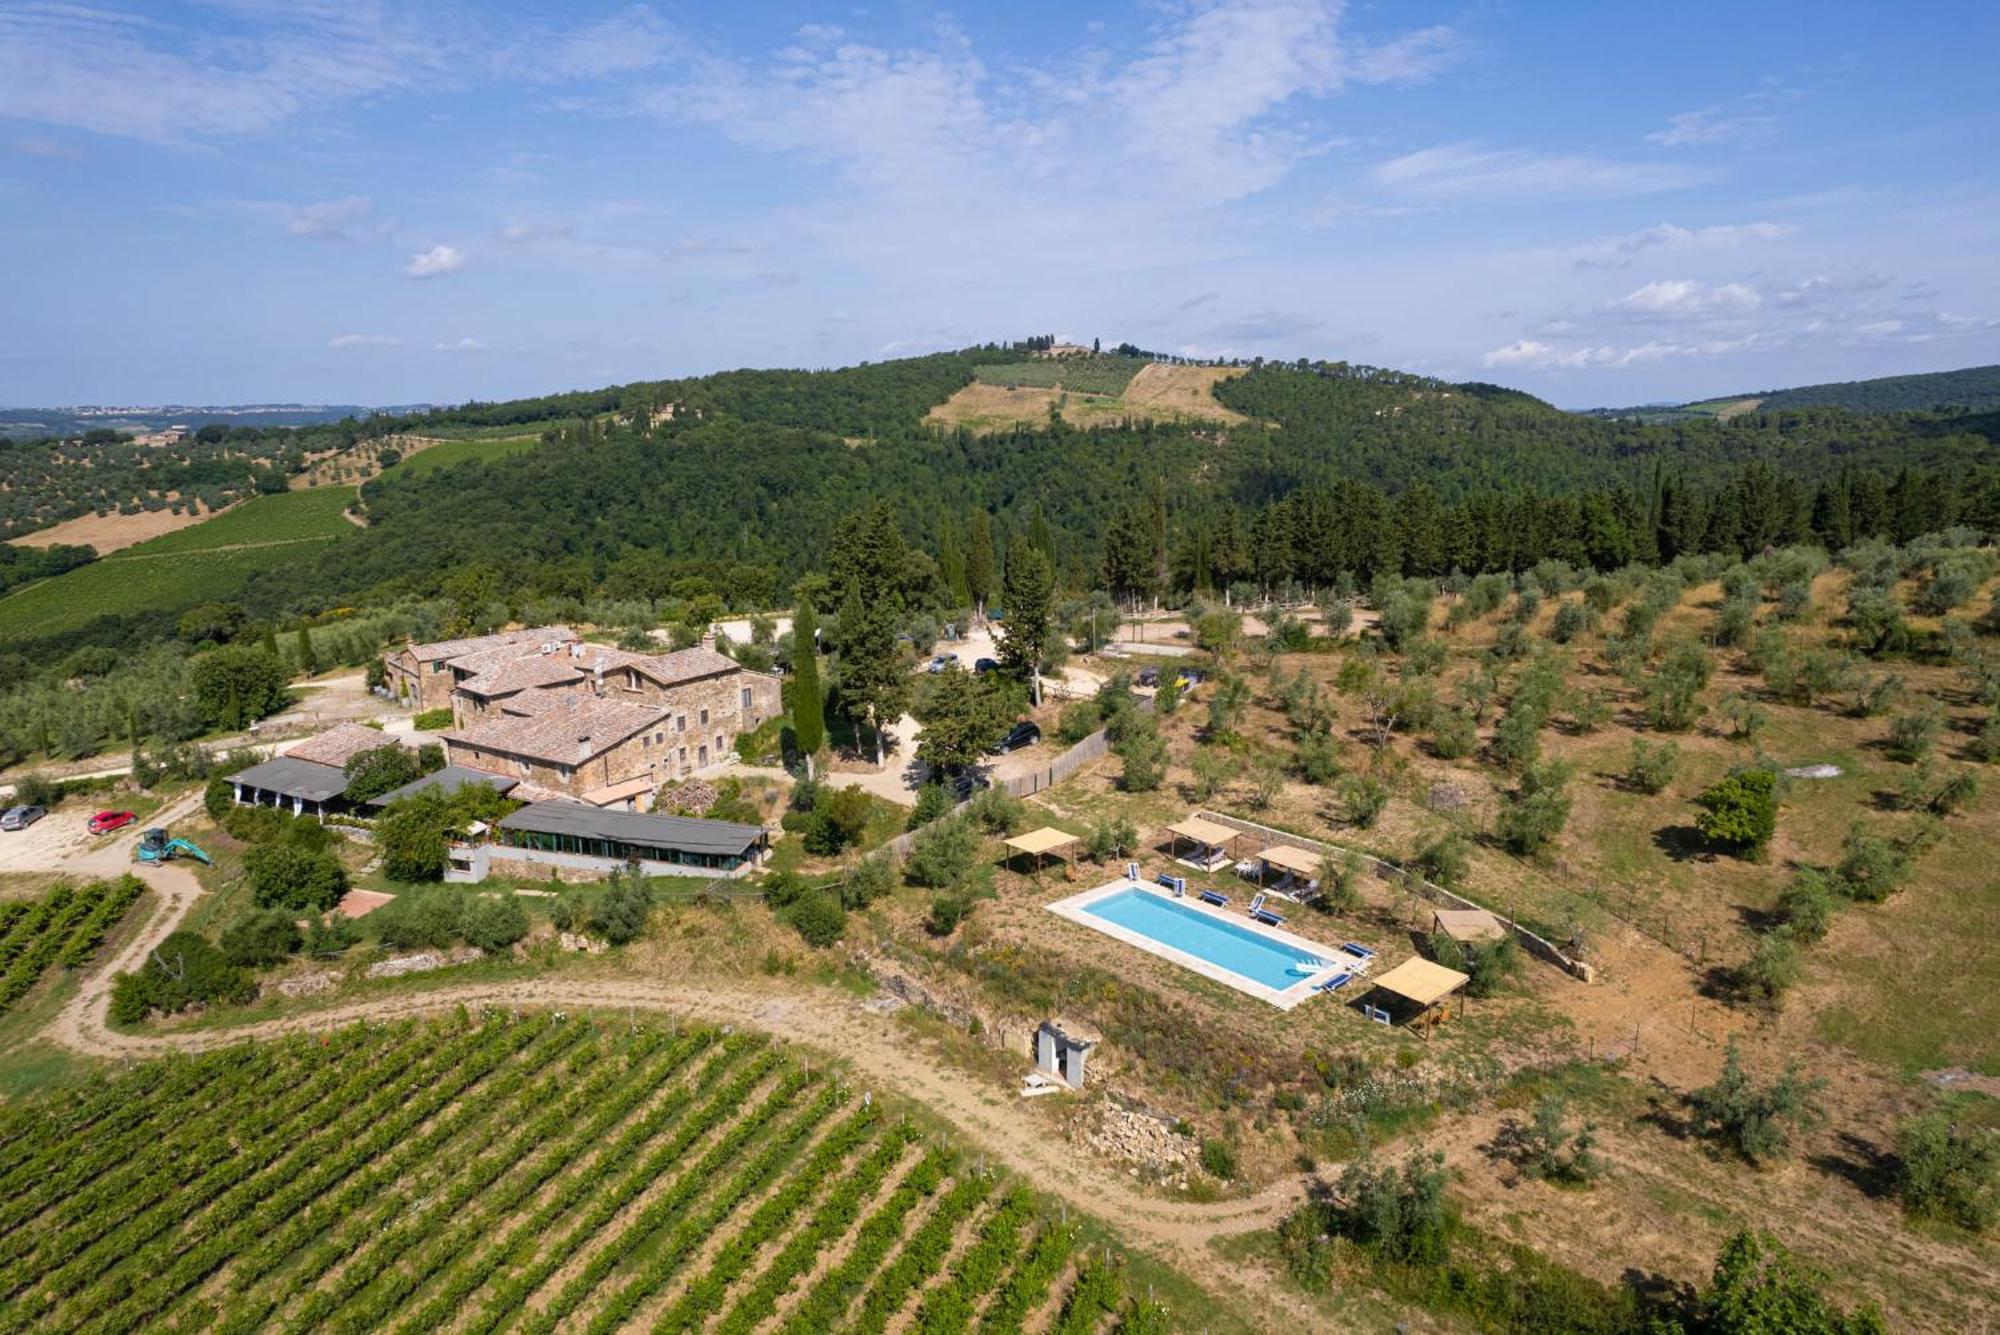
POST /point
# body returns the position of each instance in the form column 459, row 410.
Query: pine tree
column 308, row 663
column 951, row 562
column 271, row 640
column 979, row 562
column 875, row 683
column 808, row 701
column 1029, row 593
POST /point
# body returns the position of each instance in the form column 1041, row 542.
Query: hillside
column 1973, row 389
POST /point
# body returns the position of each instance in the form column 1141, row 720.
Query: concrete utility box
column 1061, row 1049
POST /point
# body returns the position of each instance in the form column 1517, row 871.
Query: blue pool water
column 1241, row 950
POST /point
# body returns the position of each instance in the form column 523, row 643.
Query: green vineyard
column 62, row 928
column 1079, row 375
column 488, row 1174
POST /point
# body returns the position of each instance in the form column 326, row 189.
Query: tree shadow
column 1661, row 1296
column 1861, row 1162
column 1719, row 982
column 1683, row 843
column 1756, row 919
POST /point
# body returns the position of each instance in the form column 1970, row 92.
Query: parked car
column 104, row 822
column 968, row 783
column 1190, row 678
column 1148, row 677
column 941, row 662
column 1021, row 734
column 20, row 818
column 987, row 665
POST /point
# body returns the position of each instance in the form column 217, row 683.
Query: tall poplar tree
column 808, row 701
column 308, row 661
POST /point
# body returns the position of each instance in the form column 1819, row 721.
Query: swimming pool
column 1273, row 965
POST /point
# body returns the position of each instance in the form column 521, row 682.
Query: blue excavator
column 156, row 845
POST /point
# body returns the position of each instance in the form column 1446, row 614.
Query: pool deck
column 1075, row 906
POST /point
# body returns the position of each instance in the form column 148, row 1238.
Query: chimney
column 583, row 747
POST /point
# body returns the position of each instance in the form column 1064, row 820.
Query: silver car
column 20, row 818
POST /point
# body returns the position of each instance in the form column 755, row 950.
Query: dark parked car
column 20, row 818
column 1148, row 677
column 942, row 662
column 968, row 783
column 986, row 665
column 1021, row 734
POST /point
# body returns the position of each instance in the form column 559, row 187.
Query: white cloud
column 521, row 233
column 1466, row 170
column 1534, row 354
column 1683, row 298
column 435, row 262
column 1710, row 125
column 1618, row 251
column 345, row 341
column 142, row 76
column 462, row 345
column 328, row 219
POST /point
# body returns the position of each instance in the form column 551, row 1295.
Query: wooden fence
column 1535, row 945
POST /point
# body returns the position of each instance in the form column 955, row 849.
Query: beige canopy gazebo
column 1046, row 842
column 1289, row 858
column 1207, row 835
column 1423, row 984
column 1468, row 925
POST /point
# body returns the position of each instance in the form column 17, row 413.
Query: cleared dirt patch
column 115, row 532
column 984, row 408
column 1160, row 390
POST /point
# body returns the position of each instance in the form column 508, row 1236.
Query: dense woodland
column 1976, row 388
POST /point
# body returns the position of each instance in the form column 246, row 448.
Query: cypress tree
column 1029, row 591
column 808, row 704
column 271, row 640
column 979, row 562
column 308, row 663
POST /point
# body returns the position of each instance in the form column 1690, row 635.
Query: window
column 718, row 744
column 704, row 755
column 704, row 718
column 684, row 755
column 746, row 699
column 681, row 723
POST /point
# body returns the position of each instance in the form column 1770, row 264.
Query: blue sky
column 334, row 200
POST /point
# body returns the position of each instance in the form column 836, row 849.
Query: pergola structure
column 1423, row 984
column 1212, row 839
column 1045, row 843
column 1291, row 860
column 1468, row 925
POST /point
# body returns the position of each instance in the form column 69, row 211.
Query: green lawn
column 205, row 562
column 481, row 449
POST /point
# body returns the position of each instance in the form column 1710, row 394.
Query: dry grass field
column 115, row 532
column 1158, row 393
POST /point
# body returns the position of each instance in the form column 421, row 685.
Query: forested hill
column 1976, row 388
column 751, row 471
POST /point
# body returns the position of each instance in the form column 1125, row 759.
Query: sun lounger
column 1377, row 1014
column 1132, row 871
column 1177, row 884
column 1256, row 904
column 1267, row 917
column 1216, row 898
column 1357, row 950
column 1335, row 984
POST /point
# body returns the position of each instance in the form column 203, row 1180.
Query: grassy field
column 1080, row 375
column 1026, row 393
column 209, row 561
column 464, row 449
column 476, row 1172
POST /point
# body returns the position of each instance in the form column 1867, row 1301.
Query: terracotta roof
column 568, row 731
column 437, row 649
column 522, row 674
column 340, row 744
column 619, row 792
column 685, row 665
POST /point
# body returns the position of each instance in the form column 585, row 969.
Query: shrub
column 331, row 934
column 1912, row 735
column 1079, row 719
column 942, row 853
column 1740, row 812
column 284, row 876
column 35, row 789
column 868, row 880
column 1489, row 964
column 1362, row 799
column 1572, row 620
column 1400, row 1216
column 1443, row 861
column 997, row 811
column 1955, row 793
column 1517, row 738
column 1653, row 765
column 381, row 769
column 1454, row 735
column 1871, row 867
column 1144, row 752
column 620, row 913
column 1318, row 759
column 1218, row 1159
column 432, row 720
column 1948, row 1171
column 1757, row 1287
column 260, row 938
column 1754, row 1122
column 182, row 971
column 839, row 816
column 218, row 797
column 426, row 919
column 947, row 912
column 1112, row 838
column 1771, row 969
column 492, row 922
column 818, row 917
column 933, row 801
column 1806, row 906
column 1537, row 810
column 1546, row 1148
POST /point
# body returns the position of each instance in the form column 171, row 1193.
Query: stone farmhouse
column 592, row 722
column 424, row 675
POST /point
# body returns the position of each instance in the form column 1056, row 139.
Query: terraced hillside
column 533, row 1173
column 208, row 562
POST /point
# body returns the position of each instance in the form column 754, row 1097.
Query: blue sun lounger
column 1335, row 984
column 1215, row 897
column 1357, row 950
column 1267, row 917
column 1177, row 884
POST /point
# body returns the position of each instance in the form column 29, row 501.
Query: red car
column 104, row 822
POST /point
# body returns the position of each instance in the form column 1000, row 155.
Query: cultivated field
column 447, row 453
column 206, row 562
column 1025, row 394
column 114, row 532
column 59, row 929
column 540, row 1172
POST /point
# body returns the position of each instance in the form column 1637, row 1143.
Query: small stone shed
column 1061, row 1048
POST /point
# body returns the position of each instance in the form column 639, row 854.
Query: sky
column 380, row 202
